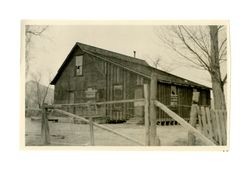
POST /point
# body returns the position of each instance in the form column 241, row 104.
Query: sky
column 50, row 50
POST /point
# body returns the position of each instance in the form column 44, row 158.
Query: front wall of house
column 108, row 81
column 68, row 83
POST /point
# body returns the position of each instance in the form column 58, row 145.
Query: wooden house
column 91, row 74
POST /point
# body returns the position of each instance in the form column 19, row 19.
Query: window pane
column 78, row 70
column 78, row 60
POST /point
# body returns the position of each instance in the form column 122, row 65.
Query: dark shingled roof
column 131, row 63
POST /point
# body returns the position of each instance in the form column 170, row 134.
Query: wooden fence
column 212, row 123
column 184, row 123
column 45, row 135
column 45, row 126
column 212, row 126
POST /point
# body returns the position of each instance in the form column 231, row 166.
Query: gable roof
column 133, row 64
column 111, row 54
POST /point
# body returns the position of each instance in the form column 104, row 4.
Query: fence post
column 45, row 136
column 146, row 115
column 193, row 117
column 193, row 121
column 154, row 140
column 91, row 129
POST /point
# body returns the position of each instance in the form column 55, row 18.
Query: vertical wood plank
column 91, row 130
column 193, row 120
column 159, row 97
column 106, row 88
column 108, row 93
column 153, row 92
column 179, row 102
column 111, row 89
column 146, row 114
column 204, row 122
column 45, row 136
column 124, row 94
column 199, row 119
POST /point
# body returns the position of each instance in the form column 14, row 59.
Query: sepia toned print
column 148, row 84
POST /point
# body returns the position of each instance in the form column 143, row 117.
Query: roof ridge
column 112, row 53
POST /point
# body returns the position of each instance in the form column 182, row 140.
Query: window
column 79, row 70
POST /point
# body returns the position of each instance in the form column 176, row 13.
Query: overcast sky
column 50, row 50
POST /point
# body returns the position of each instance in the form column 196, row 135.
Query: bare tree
column 157, row 62
column 41, row 93
column 204, row 47
column 30, row 32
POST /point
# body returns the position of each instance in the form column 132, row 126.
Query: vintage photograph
column 121, row 83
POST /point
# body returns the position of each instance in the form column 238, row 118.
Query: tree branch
column 223, row 42
column 36, row 32
column 224, row 80
column 220, row 27
column 195, row 40
column 205, row 42
column 202, row 62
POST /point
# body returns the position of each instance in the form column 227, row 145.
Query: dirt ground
column 68, row 134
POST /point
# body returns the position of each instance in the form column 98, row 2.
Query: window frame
column 76, row 66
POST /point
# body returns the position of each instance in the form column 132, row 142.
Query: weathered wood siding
column 103, row 77
column 112, row 82
column 184, row 99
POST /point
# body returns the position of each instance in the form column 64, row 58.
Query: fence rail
column 141, row 101
column 182, row 122
column 56, row 107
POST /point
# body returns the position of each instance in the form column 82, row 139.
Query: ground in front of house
column 69, row 134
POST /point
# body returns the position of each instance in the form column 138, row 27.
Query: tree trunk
column 218, row 95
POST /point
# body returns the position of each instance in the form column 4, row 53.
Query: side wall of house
column 179, row 99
